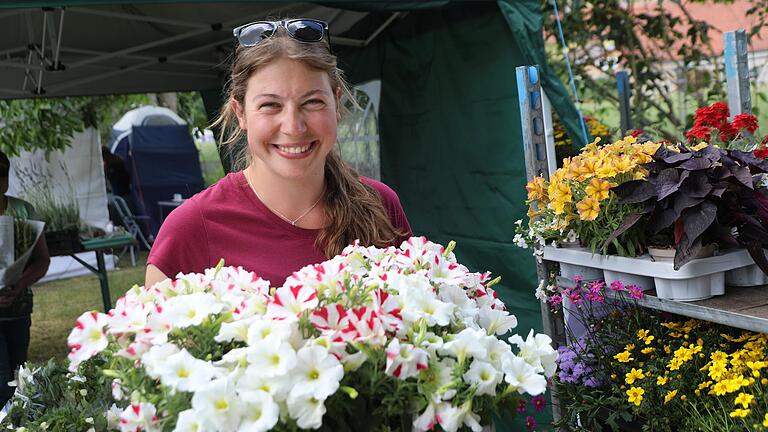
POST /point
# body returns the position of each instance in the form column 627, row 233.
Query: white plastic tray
column 696, row 280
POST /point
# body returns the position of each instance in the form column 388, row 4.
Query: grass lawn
column 59, row 303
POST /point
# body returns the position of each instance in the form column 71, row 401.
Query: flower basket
column 63, row 242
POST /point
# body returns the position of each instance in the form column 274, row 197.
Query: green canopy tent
column 449, row 121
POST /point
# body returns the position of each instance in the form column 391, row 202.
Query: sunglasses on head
column 302, row 29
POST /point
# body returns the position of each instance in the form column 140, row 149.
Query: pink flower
column 616, row 286
column 530, row 423
column 521, row 406
column 635, row 292
column 539, row 403
column 555, row 299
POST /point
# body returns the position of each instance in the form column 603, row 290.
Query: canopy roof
column 90, row 47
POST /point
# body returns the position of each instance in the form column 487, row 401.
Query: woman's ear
column 237, row 107
column 338, row 103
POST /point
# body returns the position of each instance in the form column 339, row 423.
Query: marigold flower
column 634, row 375
column 744, row 399
column 635, row 395
column 739, row 412
column 670, row 395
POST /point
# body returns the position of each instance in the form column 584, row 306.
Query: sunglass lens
column 306, row 30
column 255, row 33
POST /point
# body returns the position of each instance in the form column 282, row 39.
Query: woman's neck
column 288, row 197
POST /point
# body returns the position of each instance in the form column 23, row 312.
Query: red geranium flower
column 714, row 115
column 700, row 132
column 727, row 132
column 761, row 152
column 636, row 133
column 745, row 121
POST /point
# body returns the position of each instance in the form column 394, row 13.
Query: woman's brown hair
column 353, row 209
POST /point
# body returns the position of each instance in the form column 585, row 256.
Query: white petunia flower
column 537, row 351
column 218, row 405
column 522, row 376
column 187, row 422
column 192, row 309
column 261, row 412
column 113, row 417
column 496, row 321
column 484, row 376
column 272, row 357
column 307, row 410
column 317, row 373
column 465, row 344
column 262, row 329
column 253, row 381
column 182, row 371
column 153, row 359
column 234, row 331
column 88, row 338
column 420, row 302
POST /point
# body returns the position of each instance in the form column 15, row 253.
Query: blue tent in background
column 158, row 150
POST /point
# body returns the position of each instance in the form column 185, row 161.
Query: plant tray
column 698, row 279
column 64, row 242
column 109, row 242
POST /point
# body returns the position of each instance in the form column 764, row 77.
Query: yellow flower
column 634, row 374
column 661, row 380
column 629, row 347
column 635, row 395
column 649, row 339
column 588, row 209
column 647, row 350
column 699, row 146
column 537, row 189
column 744, row 399
column 718, row 356
column 739, row 413
column 670, row 395
column 765, row 420
column 683, row 397
column 642, row 334
column 622, row 164
column 624, row 357
column 598, row 189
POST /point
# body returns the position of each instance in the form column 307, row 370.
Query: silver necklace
column 283, row 217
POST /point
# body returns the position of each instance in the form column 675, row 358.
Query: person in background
column 117, row 177
column 16, row 300
column 295, row 202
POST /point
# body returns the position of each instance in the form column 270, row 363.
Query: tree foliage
column 652, row 40
column 49, row 124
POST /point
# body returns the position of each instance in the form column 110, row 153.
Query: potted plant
column 698, row 196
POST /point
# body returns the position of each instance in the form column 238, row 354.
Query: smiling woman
column 294, row 202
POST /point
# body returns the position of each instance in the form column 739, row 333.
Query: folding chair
column 129, row 221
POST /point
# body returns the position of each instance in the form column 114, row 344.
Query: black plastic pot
column 64, row 242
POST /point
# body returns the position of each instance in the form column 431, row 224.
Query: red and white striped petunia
column 290, row 301
column 88, row 338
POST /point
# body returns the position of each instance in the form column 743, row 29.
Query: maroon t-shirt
column 227, row 221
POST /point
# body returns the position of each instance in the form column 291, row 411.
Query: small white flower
column 154, row 358
column 522, row 376
column 253, row 381
column 182, row 371
column 484, row 376
column 192, row 309
column 113, row 417
column 496, row 321
column 261, row 412
column 537, row 351
column 217, row 405
column 117, row 389
column 465, row 344
column 272, row 357
column 317, row 373
column 307, row 410
column 188, row 422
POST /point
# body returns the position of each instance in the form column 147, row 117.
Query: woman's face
column 290, row 114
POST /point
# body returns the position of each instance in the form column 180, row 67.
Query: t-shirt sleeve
column 182, row 243
column 395, row 210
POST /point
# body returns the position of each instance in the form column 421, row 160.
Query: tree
column 644, row 38
column 49, row 124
